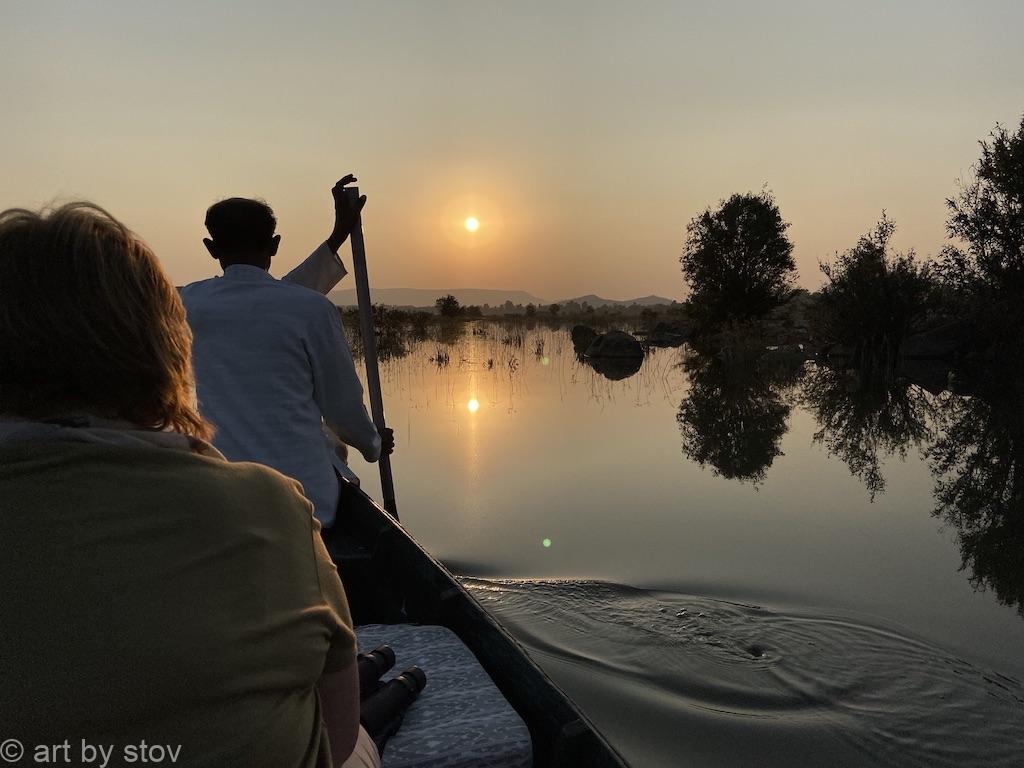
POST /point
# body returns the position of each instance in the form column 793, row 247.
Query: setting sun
column 473, row 405
column 472, row 225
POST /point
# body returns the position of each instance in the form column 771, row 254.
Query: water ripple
column 876, row 694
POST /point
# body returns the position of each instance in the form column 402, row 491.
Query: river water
column 729, row 564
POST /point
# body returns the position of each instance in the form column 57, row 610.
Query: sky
column 582, row 135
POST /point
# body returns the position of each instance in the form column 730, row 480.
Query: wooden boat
column 390, row 579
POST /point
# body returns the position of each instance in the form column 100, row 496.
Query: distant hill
column 597, row 301
column 425, row 297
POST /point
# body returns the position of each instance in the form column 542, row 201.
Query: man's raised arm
column 322, row 269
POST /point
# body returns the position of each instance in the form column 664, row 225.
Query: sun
column 473, row 405
column 472, row 224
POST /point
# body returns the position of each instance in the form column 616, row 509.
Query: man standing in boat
column 272, row 364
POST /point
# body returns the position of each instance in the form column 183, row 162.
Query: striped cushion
column 461, row 720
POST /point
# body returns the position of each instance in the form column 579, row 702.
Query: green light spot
column 546, row 543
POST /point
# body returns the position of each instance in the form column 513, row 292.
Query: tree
column 448, row 306
column 737, row 260
column 472, row 312
column 531, row 310
column 554, row 309
column 874, row 299
column 988, row 217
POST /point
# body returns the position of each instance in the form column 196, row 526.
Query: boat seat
column 461, row 720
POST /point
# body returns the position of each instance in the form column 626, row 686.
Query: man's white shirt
column 273, row 368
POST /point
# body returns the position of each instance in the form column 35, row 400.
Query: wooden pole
column 387, row 483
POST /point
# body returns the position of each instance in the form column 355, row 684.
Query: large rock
column 618, row 344
column 582, row 338
column 615, row 368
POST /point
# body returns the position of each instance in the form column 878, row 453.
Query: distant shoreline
column 425, row 298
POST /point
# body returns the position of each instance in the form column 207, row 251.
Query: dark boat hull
column 389, row 578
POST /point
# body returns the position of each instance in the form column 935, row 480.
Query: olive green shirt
column 160, row 595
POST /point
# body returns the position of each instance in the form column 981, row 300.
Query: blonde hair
column 90, row 323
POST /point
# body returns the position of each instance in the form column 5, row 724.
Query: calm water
column 729, row 565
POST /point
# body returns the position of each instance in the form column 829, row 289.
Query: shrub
column 874, row 299
column 448, row 306
column 737, row 260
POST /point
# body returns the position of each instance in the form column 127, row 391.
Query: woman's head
column 90, row 323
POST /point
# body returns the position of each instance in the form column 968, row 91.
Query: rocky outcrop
column 615, row 355
column 615, row 344
column 615, row 368
column 582, row 338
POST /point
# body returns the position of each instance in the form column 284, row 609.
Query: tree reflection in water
column 863, row 417
column 734, row 415
column 978, row 464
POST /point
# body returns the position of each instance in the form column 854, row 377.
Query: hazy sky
column 582, row 135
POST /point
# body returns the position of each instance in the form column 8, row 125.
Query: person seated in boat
column 155, row 593
column 272, row 363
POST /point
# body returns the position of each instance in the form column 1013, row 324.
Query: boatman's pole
column 387, row 483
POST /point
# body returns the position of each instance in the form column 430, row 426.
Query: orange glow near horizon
column 580, row 169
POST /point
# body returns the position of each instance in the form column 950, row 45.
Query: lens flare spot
column 545, row 361
column 546, row 543
column 473, row 405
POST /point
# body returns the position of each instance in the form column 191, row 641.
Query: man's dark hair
column 239, row 224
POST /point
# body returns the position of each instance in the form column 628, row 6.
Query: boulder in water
column 615, row 368
column 617, row 344
column 582, row 338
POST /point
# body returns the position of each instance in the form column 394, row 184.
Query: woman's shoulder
column 245, row 482
column 161, row 477
column 209, row 497
column 222, row 496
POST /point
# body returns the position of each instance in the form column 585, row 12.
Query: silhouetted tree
column 472, row 311
column 737, row 259
column 448, row 306
column 733, row 418
column 988, row 217
column 554, row 309
column 873, row 299
column 984, row 273
column 531, row 310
